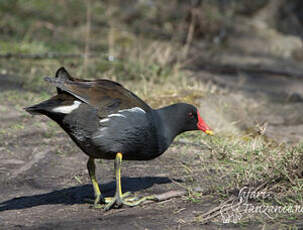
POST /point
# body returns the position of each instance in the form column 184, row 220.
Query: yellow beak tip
column 209, row 132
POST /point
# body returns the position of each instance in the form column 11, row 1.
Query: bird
column 108, row 121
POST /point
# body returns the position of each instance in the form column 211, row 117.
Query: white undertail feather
column 66, row 109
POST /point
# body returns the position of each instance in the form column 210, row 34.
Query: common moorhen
column 108, row 121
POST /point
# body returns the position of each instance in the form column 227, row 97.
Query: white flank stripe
column 116, row 115
column 104, row 120
column 66, row 109
column 135, row 109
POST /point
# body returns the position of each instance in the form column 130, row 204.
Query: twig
column 219, row 213
column 262, row 185
column 179, row 184
column 163, row 197
column 217, row 208
column 169, row 195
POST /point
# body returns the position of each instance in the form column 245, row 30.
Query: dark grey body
column 135, row 135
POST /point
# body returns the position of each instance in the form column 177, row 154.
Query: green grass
column 244, row 161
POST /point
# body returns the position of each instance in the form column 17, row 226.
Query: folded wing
column 106, row 96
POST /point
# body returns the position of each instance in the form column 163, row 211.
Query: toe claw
column 110, row 205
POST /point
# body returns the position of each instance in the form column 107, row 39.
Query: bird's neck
column 168, row 125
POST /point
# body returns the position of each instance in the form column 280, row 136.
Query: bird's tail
column 62, row 77
column 42, row 108
column 34, row 110
column 58, row 82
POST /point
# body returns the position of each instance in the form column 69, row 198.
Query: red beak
column 203, row 126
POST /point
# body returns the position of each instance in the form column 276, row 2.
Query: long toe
column 125, row 200
column 134, row 201
column 113, row 201
column 98, row 202
column 108, row 200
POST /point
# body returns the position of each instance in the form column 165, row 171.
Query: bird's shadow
column 79, row 194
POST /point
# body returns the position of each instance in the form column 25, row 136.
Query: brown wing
column 105, row 95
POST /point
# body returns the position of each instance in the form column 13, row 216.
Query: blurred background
column 239, row 61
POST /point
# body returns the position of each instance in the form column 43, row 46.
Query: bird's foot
column 98, row 202
column 125, row 199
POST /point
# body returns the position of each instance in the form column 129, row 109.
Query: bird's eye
column 190, row 115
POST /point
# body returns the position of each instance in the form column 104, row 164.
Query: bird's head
column 193, row 119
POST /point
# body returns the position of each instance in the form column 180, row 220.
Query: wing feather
column 105, row 95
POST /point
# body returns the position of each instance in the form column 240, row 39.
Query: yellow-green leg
column 91, row 170
column 122, row 199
